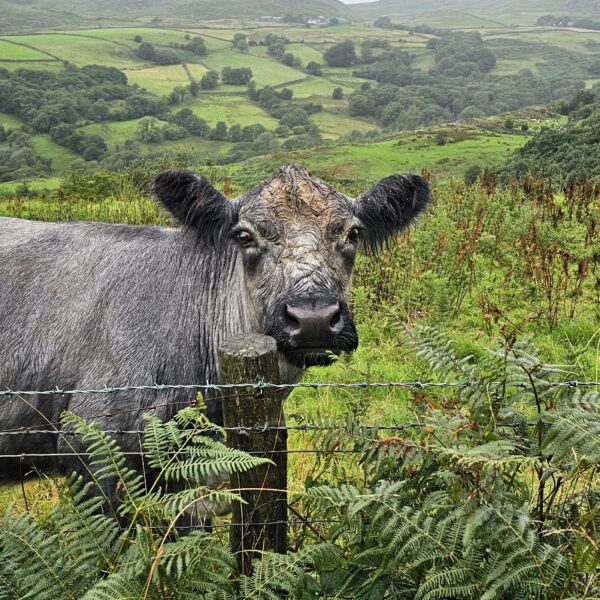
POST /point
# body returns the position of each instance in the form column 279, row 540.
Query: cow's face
column 297, row 238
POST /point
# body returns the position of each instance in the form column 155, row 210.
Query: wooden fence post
column 261, row 524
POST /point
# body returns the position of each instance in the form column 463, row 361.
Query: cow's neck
column 224, row 307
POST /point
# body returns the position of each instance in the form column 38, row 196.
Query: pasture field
column 61, row 157
column 334, row 125
column 266, row 71
column 305, row 53
column 14, row 51
column 319, row 88
column 38, row 65
column 81, row 49
column 230, row 109
column 118, row 132
column 160, row 80
column 10, row 121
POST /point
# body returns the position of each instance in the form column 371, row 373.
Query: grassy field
column 334, row 125
column 160, row 80
column 10, row 121
column 81, row 50
column 61, row 157
column 410, row 152
column 266, row 71
column 231, row 109
column 14, row 51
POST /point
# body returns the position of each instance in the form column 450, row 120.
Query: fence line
column 263, row 385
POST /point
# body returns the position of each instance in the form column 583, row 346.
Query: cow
column 88, row 305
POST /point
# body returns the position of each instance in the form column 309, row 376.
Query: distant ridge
column 32, row 15
column 408, row 8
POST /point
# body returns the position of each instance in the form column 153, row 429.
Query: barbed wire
column 216, row 429
column 263, row 385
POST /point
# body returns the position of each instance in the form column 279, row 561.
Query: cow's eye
column 354, row 235
column 243, row 237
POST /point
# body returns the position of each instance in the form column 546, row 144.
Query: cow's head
column 297, row 238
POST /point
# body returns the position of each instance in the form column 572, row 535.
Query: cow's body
column 84, row 305
column 88, row 305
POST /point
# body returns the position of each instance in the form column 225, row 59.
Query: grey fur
column 90, row 304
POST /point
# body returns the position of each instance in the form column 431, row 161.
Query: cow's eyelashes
column 243, row 237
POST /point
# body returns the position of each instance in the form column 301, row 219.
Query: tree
column 166, row 56
column 194, row 88
column 149, row 131
column 138, row 39
column 146, row 51
column 288, row 59
column 197, row 46
column 236, row 75
column 314, row 68
column 342, row 54
column 338, row 93
column 240, row 42
column 235, row 133
column 209, row 80
column 297, row 116
column 383, row 23
column 220, row 131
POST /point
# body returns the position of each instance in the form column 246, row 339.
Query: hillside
column 563, row 154
column 17, row 16
column 409, row 8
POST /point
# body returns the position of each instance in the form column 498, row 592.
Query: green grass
column 10, row 51
column 266, row 71
column 317, row 86
column 46, row 65
column 231, row 109
column 159, row 80
column 305, row 53
column 333, row 125
column 49, row 183
column 61, row 157
column 9, row 121
column 80, row 49
column 117, row 133
column 407, row 153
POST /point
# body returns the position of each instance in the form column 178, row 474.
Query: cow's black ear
column 390, row 207
column 193, row 201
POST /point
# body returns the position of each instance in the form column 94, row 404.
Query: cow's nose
column 314, row 326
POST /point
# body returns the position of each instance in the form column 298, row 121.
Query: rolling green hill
column 408, row 8
column 32, row 15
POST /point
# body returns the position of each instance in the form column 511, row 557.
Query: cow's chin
column 310, row 357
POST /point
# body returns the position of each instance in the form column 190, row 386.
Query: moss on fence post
column 260, row 524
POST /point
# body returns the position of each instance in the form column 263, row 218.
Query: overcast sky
column 356, row 1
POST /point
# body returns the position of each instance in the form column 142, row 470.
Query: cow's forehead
column 293, row 193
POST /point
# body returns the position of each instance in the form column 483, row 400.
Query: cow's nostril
column 291, row 316
column 336, row 318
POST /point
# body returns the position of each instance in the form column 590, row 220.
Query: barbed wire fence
column 262, row 431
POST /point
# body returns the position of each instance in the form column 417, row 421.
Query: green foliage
column 342, row 54
column 495, row 497
column 77, row 553
column 566, row 154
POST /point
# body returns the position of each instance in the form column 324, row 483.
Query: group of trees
column 88, row 146
column 236, row 75
column 169, row 56
column 342, row 54
column 461, row 54
column 18, row 158
column 48, row 101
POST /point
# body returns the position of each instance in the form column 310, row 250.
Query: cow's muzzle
column 312, row 331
